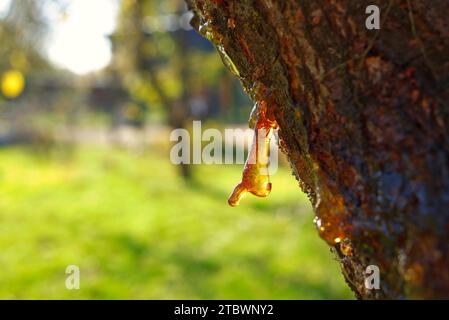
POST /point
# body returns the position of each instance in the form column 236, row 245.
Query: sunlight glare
column 79, row 40
column 4, row 7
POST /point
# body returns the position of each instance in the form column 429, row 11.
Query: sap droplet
column 253, row 117
column 346, row 247
column 216, row 38
column 227, row 61
column 255, row 178
column 317, row 222
column 207, row 32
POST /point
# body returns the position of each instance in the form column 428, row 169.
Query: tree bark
column 363, row 118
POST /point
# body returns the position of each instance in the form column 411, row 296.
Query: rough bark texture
column 363, row 117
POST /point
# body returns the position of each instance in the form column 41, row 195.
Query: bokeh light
column 13, row 84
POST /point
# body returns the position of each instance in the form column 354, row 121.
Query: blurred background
column 90, row 91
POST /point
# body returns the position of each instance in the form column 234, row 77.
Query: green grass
column 137, row 231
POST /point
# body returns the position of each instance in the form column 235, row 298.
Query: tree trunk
column 363, row 118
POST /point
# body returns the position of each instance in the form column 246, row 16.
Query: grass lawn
column 137, row 231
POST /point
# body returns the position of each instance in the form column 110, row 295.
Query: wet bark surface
column 363, row 116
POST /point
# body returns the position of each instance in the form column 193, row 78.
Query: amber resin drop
column 255, row 178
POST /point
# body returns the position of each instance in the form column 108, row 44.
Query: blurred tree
column 163, row 62
column 21, row 32
column 26, row 74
